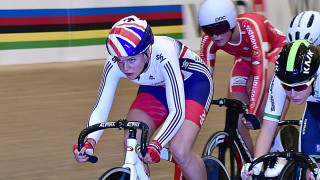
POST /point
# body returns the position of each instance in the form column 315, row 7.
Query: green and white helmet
column 298, row 61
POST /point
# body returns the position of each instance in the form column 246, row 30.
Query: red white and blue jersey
column 259, row 44
column 170, row 64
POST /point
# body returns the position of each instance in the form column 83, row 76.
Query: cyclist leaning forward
column 175, row 91
column 297, row 76
column 254, row 42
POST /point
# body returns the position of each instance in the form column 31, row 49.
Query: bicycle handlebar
column 289, row 155
column 234, row 104
column 289, row 122
column 120, row 124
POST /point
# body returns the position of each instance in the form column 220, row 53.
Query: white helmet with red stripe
column 305, row 25
column 129, row 37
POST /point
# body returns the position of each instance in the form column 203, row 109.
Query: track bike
column 133, row 167
column 295, row 170
column 228, row 145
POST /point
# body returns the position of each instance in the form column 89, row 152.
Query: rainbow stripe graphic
column 46, row 28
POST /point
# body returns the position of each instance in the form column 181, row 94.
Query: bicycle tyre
column 288, row 172
column 215, row 169
column 217, row 146
column 117, row 173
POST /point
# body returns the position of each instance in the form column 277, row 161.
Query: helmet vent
column 297, row 35
column 291, row 24
column 290, row 37
column 310, row 21
column 307, row 36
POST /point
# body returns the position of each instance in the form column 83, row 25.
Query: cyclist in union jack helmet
column 175, row 92
column 297, row 77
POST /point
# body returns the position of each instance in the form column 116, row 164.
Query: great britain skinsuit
column 176, row 86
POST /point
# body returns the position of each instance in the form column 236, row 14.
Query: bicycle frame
column 132, row 161
column 236, row 141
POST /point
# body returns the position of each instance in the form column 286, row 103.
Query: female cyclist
column 297, row 71
column 305, row 25
column 254, row 42
column 175, row 91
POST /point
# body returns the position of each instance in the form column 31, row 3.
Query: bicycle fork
column 132, row 161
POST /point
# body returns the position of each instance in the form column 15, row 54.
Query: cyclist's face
column 131, row 66
column 299, row 97
column 222, row 39
column 220, row 32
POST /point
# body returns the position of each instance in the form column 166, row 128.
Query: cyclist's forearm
column 265, row 138
column 257, row 89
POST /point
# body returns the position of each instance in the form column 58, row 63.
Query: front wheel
column 215, row 169
column 117, row 173
column 218, row 145
column 292, row 171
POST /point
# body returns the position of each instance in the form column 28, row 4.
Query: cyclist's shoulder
column 252, row 21
column 254, row 17
column 275, row 85
column 165, row 45
column 167, row 49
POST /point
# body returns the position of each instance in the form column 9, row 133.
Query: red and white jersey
column 259, row 43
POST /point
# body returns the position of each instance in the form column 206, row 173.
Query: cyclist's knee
column 182, row 159
column 181, row 155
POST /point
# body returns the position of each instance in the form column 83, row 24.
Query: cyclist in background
column 297, row 72
column 254, row 42
column 305, row 25
column 175, row 91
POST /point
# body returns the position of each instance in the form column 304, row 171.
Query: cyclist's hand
column 251, row 121
column 86, row 149
column 245, row 174
column 311, row 176
column 153, row 152
column 246, row 123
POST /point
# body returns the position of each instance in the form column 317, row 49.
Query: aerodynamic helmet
column 129, row 37
column 217, row 16
column 298, row 61
column 305, row 25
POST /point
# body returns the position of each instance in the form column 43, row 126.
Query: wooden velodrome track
column 45, row 106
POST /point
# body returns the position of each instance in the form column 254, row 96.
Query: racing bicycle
column 229, row 146
column 133, row 167
column 295, row 169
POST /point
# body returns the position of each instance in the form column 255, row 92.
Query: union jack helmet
column 129, row 37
